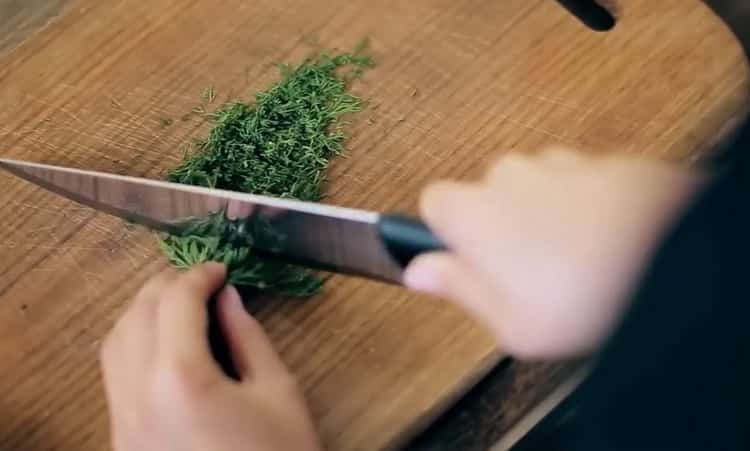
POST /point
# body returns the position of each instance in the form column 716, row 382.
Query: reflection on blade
column 322, row 236
column 234, row 242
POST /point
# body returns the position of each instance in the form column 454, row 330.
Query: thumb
column 252, row 353
column 446, row 275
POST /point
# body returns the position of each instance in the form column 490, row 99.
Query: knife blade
column 337, row 239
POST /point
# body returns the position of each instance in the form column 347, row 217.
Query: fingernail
column 216, row 266
column 421, row 276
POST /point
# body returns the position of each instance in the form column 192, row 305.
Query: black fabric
column 676, row 374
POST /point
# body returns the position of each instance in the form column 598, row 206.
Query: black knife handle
column 405, row 238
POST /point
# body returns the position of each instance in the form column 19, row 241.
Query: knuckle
column 205, row 273
column 155, row 283
column 180, row 383
column 195, row 276
column 182, row 289
column 432, row 200
column 188, row 284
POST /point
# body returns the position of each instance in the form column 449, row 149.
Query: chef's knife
column 325, row 237
column 357, row 242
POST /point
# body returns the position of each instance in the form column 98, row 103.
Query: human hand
column 547, row 249
column 165, row 390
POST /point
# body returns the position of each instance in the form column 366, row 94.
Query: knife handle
column 406, row 238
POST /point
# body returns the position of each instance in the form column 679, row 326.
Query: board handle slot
column 591, row 13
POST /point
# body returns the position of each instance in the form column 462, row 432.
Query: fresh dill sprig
column 210, row 239
column 279, row 146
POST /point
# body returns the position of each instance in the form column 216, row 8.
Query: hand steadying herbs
column 279, row 146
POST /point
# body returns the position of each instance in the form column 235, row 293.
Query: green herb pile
column 280, row 146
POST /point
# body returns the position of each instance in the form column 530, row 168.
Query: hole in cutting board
column 591, row 13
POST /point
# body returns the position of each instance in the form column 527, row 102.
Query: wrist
column 665, row 204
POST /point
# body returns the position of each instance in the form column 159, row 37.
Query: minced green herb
column 279, row 146
column 215, row 239
column 209, row 95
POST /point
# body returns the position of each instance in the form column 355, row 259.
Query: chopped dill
column 280, row 145
column 212, row 239
column 209, row 95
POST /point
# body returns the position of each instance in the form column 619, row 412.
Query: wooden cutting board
column 459, row 82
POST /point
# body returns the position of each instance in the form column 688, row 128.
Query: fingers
column 139, row 321
column 446, row 275
column 183, row 316
column 129, row 347
column 474, row 221
column 448, row 208
column 547, row 243
column 253, row 354
column 238, row 209
column 127, row 353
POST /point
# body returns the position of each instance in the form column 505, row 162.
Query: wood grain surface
column 21, row 18
column 458, row 83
